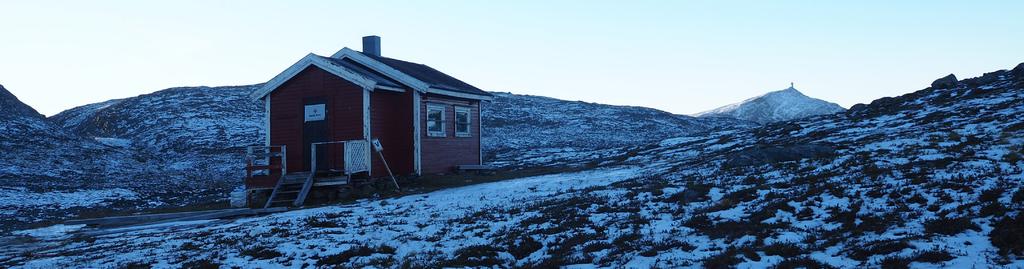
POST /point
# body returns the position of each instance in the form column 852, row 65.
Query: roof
column 429, row 75
column 375, row 72
column 362, row 70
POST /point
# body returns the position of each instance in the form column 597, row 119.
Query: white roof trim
column 460, row 94
column 381, row 67
column 302, row 64
column 382, row 87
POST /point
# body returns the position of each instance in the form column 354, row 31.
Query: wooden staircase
column 293, row 188
column 290, row 188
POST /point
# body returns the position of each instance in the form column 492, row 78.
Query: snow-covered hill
column 42, row 162
column 187, row 128
column 183, row 146
column 533, row 130
column 775, row 106
column 175, row 147
column 35, row 152
column 934, row 178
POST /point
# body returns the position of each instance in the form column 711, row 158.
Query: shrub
column 1012, row 157
column 524, row 246
column 475, row 256
column 314, row 221
column 895, row 262
column 594, row 247
column 992, row 209
column 787, row 250
column 189, row 246
column 862, row 252
column 625, row 240
column 744, row 195
column 725, row 259
column 933, row 256
column 1008, row 235
column 1018, row 196
column 949, row 226
column 801, row 262
column 848, row 218
column 699, row 222
column 201, row 264
column 356, row 251
column 873, row 171
column 671, row 244
column 565, row 245
column 873, row 223
column 991, row 195
column 261, row 253
column 692, row 193
column 917, row 199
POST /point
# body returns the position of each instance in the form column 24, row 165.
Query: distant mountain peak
column 780, row 105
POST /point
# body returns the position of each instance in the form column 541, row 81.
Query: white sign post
column 379, row 149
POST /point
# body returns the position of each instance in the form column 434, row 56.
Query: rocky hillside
column 531, row 130
column 188, row 128
column 36, row 152
column 174, row 147
column 183, row 146
column 776, row 106
column 934, row 178
column 47, row 172
column 12, row 108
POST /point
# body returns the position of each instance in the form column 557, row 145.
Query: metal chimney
column 371, row 45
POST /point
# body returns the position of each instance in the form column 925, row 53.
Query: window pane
column 435, row 121
column 433, row 126
column 462, row 122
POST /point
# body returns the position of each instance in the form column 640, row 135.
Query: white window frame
column 469, row 121
column 436, row 107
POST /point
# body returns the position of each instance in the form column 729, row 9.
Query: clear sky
column 679, row 56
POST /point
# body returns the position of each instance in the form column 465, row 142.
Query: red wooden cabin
column 427, row 122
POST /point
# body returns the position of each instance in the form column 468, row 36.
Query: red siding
column 344, row 111
column 442, row 154
column 391, row 122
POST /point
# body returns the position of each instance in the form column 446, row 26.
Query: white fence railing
column 356, row 155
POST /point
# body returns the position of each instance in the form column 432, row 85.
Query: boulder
column 857, row 108
column 1018, row 71
column 944, row 82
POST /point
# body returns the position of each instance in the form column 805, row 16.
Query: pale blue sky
column 679, row 56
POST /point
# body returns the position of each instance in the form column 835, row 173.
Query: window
column 462, row 121
column 435, row 120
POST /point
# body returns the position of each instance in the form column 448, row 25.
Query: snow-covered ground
column 20, row 205
column 931, row 179
column 13, row 198
column 412, row 225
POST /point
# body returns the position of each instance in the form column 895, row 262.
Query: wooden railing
column 263, row 161
column 356, row 159
column 356, row 156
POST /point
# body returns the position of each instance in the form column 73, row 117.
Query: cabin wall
column 391, row 122
column 344, row 102
column 442, row 154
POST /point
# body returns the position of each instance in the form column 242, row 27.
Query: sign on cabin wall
column 315, row 112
